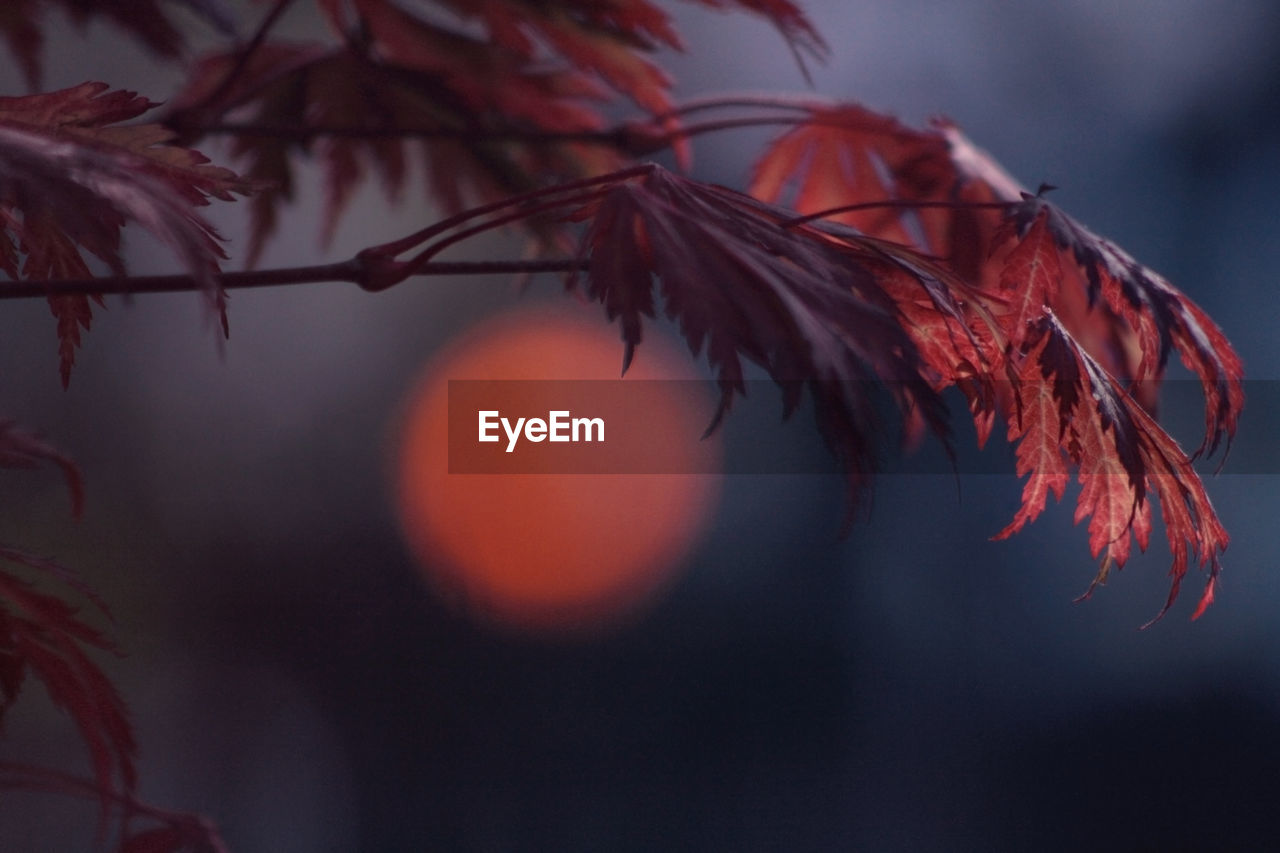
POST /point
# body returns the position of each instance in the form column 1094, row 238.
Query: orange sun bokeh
column 558, row 552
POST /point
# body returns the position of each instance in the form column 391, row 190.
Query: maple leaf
column 950, row 327
column 1068, row 408
column 71, row 177
column 1082, row 329
column 846, row 154
column 497, row 113
column 471, row 108
column 1044, row 388
column 43, row 633
column 1030, row 278
column 935, row 190
column 607, row 39
column 1163, row 318
column 806, row 309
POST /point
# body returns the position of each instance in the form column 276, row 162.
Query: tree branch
column 355, row 271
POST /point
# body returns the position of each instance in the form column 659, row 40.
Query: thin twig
column 895, row 203
column 616, row 136
column 352, row 271
column 422, row 259
column 395, row 247
column 246, row 54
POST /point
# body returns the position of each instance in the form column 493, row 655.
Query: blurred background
column 912, row 686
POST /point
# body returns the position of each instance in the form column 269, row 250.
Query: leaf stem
column 246, row 54
column 422, row 259
column 895, row 203
column 779, row 102
column 417, row 238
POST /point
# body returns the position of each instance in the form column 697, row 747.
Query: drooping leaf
column 1044, row 387
column 1030, row 278
column 846, row 155
column 935, row 190
column 71, row 177
column 1164, row 319
column 606, row 39
column 1066, row 406
column 43, row 634
column 475, row 116
column 1084, row 330
column 496, row 105
column 741, row 287
column 945, row 318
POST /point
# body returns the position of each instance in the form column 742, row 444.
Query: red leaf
column 1030, row 277
column 1163, row 318
column 70, row 178
column 1121, row 454
column 608, row 39
column 1087, row 329
column 439, row 85
column 847, row 155
column 1037, row 425
column 44, row 633
column 808, row 310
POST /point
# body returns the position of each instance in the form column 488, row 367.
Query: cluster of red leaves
column 495, row 110
column 867, row 255
column 43, row 635
column 1048, row 326
column 820, row 303
column 1069, row 335
column 71, row 176
column 741, row 285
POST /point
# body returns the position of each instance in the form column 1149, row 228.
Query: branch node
column 376, row 270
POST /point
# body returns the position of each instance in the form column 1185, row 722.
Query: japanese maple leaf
column 1082, row 330
column 741, row 287
column 1044, row 387
column 43, row 635
column 935, row 190
column 608, row 39
column 71, row 177
column 1067, row 408
column 1162, row 317
column 846, row 154
column 475, row 115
